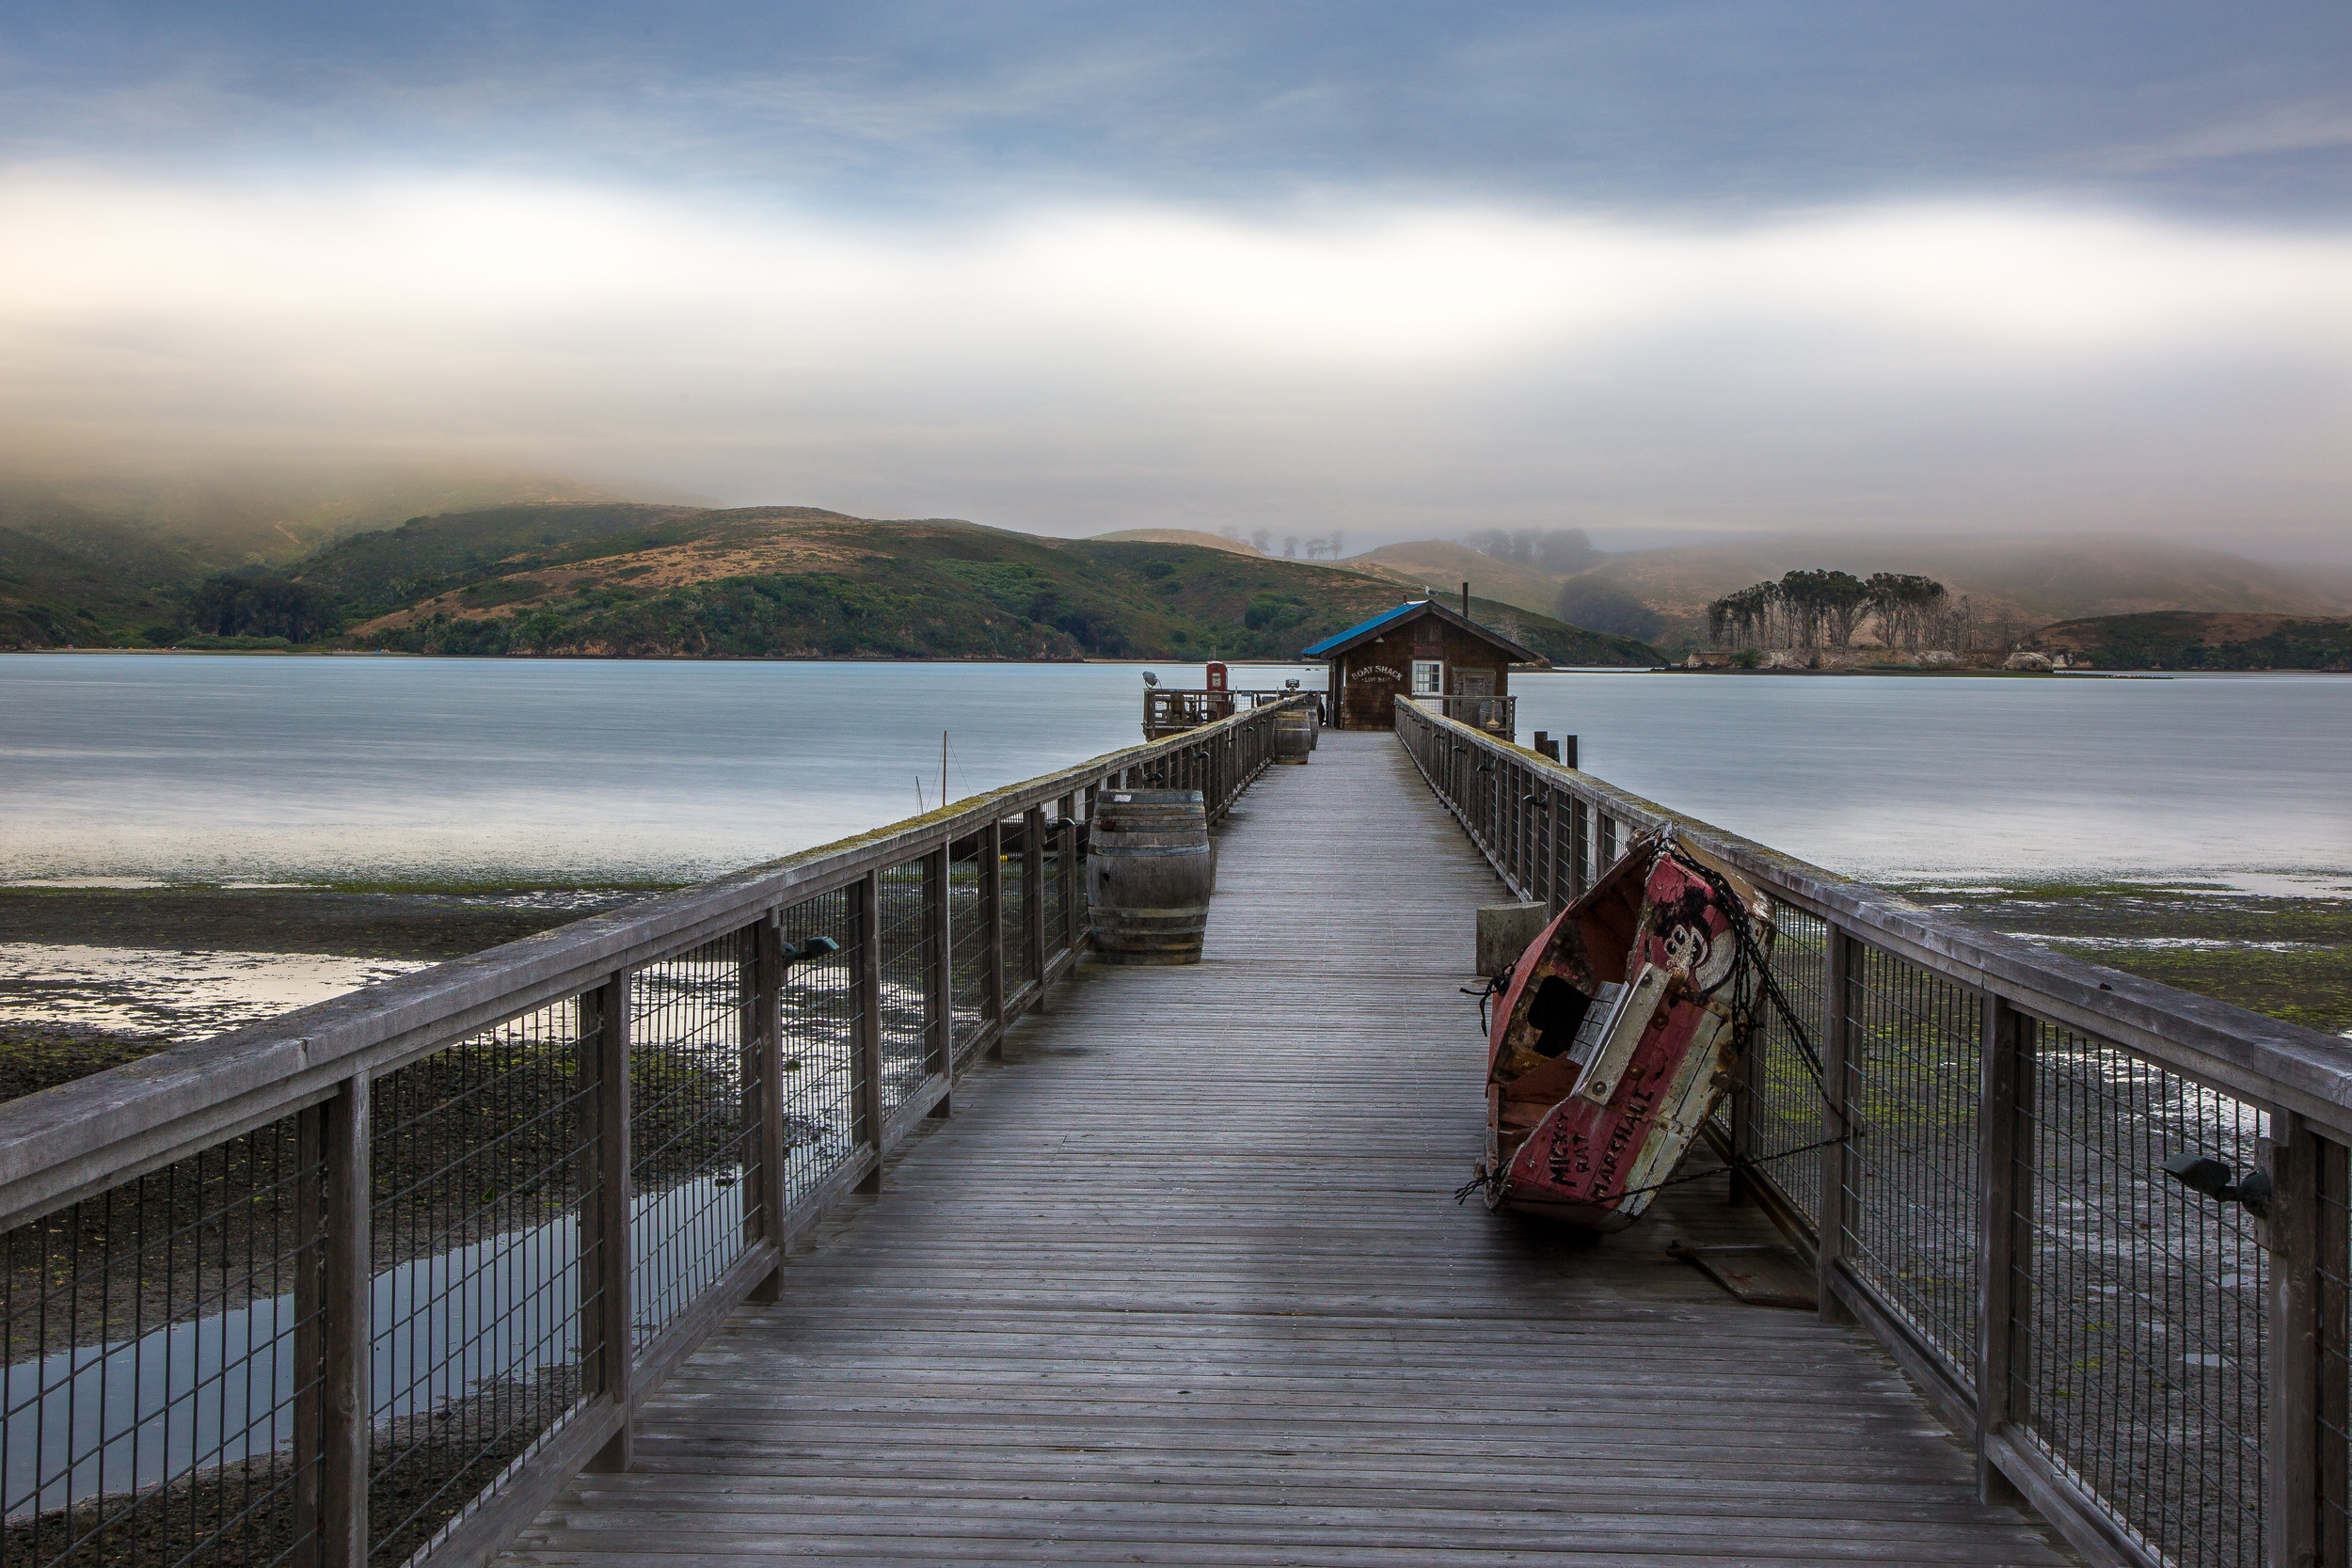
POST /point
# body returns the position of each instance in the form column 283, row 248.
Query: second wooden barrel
column 1149, row 876
column 1294, row 734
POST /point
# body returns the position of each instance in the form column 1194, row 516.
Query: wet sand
column 91, row 977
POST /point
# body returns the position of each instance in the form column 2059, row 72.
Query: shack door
column 1474, row 683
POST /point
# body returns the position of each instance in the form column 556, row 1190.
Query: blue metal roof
column 1360, row 627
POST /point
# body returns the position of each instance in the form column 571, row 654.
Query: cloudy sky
column 1401, row 269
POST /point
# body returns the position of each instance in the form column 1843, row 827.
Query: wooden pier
column 651, row 1241
column 1184, row 1281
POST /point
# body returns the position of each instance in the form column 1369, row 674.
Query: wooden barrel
column 1150, row 872
column 1294, row 734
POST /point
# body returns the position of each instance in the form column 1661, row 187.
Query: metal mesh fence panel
column 1912, row 1097
column 967, row 944
column 2140, row 1345
column 1012, row 923
column 819, row 1046
column 1056, row 894
column 161, row 1402
column 905, row 950
column 1784, row 1091
column 481, row 1156
column 686, row 1118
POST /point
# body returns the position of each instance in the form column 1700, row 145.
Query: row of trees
column 1261, row 540
column 252, row 601
column 1825, row 609
column 1559, row 549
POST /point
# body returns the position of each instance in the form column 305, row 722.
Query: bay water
column 227, row 769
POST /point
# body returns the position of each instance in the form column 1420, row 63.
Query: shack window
column 1428, row 677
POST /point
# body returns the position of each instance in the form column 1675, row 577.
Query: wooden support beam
column 309, row 1339
column 2296, row 1365
column 2005, row 1231
column 346, row 1329
column 2331, row 1251
column 607, row 1315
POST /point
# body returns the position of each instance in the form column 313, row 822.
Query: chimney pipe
column 1466, row 601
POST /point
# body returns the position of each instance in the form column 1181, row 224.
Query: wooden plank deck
column 1185, row 1282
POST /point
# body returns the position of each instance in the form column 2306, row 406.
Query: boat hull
column 1588, row 1114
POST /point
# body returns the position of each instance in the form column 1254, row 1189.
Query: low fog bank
column 1394, row 372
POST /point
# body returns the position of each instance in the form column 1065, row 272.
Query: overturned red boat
column 1618, row 1035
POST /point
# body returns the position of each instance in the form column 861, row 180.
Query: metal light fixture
column 2200, row 1173
column 1151, row 679
column 810, row 950
column 1291, row 685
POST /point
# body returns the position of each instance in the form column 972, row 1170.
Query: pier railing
column 365, row 1285
column 1174, row 709
column 2162, row 1371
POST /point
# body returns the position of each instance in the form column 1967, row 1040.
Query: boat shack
column 1425, row 653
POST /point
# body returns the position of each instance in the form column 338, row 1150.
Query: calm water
column 226, row 768
column 1908, row 778
column 220, row 767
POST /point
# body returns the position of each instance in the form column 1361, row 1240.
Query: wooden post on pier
column 310, row 1347
column 2299, row 1367
column 2004, row 1233
column 608, row 1318
column 347, row 1328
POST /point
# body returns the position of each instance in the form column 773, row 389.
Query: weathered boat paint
column 1588, row 1110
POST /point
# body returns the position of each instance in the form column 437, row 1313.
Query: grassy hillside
column 1180, row 536
column 2188, row 640
column 122, row 556
column 767, row 582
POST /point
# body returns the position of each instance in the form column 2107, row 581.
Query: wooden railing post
column 348, row 1327
column 2004, row 1239
column 763, row 1049
column 1033, row 903
column 1837, row 1087
column 334, row 1313
column 939, row 980
column 2294, row 1512
column 991, row 846
column 309, row 1337
column 608, row 1319
column 2331, row 1272
column 866, row 1040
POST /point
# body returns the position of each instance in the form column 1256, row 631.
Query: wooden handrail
column 81, row 1137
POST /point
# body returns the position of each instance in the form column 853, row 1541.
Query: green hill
column 785, row 582
column 2188, row 640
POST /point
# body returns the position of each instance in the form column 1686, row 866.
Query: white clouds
column 1069, row 363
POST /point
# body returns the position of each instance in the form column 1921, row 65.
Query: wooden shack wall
column 1369, row 701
